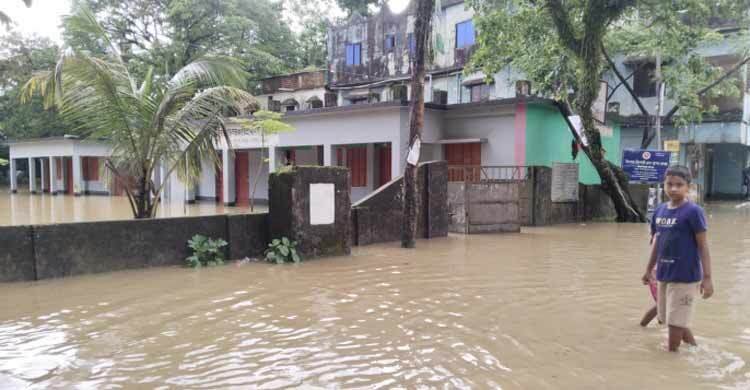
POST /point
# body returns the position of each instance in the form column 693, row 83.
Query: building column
column 327, row 155
column 77, row 176
column 32, row 175
column 52, row 175
column 272, row 159
column 13, row 178
column 371, row 167
column 228, row 183
column 44, row 175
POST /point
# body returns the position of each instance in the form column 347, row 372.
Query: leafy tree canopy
column 522, row 34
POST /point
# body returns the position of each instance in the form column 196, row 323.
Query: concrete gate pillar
column 311, row 205
column 32, row 175
column 12, row 174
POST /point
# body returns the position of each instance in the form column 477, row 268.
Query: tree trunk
column 416, row 121
column 588, row 48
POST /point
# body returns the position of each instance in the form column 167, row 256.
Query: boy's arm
column 651, row 261
column 707, row 285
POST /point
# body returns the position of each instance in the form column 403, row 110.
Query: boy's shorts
column 676, row 303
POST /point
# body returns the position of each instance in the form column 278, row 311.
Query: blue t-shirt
column 676, row 248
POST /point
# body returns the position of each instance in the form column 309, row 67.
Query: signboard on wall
column 645, row 166
column 564, row 182
column 322, row 203
column 673, row 146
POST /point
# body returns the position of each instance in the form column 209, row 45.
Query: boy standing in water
column 680, row 248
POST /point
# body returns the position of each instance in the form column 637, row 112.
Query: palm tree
column 159, row 124
column 5, row 19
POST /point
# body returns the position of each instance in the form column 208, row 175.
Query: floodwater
column 550, row 308
column 24, row 208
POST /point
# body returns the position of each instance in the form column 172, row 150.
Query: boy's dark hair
column 679, row 171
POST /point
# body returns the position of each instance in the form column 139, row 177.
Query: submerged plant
column 281, row 251
column 206, row 251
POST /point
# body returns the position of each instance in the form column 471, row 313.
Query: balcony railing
column 479, row 173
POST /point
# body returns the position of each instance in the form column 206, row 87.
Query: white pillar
column 43, row 176
column 78, row 187
column 227, row 181
column 370, row 167
column 32, row 175
column 12, row 174
column 52, row 175
column 327, row 155
column 272, row 159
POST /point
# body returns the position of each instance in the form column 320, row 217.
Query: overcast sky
column 43, row 18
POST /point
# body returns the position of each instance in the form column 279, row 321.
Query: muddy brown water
column 27, row 209
column 550, row 308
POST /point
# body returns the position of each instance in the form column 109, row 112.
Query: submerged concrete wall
column 378, row 217
column 52, row 251
column 294, row 204
column 535, row 206
column 16, row 253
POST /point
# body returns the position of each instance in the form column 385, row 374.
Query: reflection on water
column 550, row 308
column 24, row 208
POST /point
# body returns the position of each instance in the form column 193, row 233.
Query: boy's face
column 676, row 187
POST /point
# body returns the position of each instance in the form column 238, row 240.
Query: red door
column 69, row 176
column 242, row 178
column 466, row 160
column 219, row 180
column 384, row 165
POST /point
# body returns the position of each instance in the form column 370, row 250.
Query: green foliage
column 361, row 7
column 206, row 251
column 282, row 251
column 522, row 34
column 173, row 122
column 169, row 34
column 20, row 57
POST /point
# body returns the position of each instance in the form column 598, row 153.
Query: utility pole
column 659, row 101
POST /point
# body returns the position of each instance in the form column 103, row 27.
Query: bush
column 206, row 251
column 282, row 251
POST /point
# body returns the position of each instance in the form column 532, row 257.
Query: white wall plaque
column 564, row 182
column 322, row 203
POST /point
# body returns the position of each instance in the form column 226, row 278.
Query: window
column 479, row 92
column 353, row 53
column 643, row 80
column 464, row 34
column 412, row 43
column 290, row 108
column 390, row 42
column 315, row 103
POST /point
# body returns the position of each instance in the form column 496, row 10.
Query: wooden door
column 466, row 156
column 242, row 178
column 384, row 164
column 69, row 176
